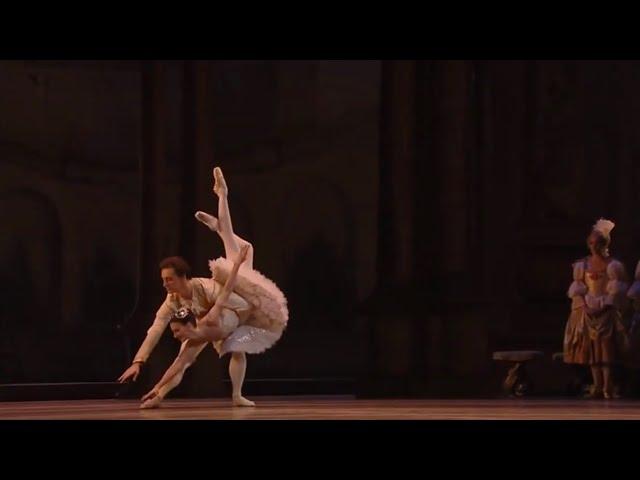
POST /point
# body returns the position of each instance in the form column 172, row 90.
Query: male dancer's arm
column 163, row 315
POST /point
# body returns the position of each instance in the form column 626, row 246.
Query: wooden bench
column 517, row 383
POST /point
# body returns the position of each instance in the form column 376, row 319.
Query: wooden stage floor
column 328, row 408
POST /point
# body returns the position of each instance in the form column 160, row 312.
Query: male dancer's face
column 171, row 281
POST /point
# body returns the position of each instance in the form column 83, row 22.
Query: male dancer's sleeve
column 163, row 315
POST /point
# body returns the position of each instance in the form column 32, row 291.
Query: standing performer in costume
column 633, row 357
column 594, row 334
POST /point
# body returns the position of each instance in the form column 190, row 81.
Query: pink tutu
column 269, row 315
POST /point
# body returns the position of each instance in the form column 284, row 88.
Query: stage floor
column 327, row 408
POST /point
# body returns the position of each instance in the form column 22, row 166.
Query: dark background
column 417, row 214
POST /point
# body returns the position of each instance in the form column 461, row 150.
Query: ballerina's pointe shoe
column 209, row 220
